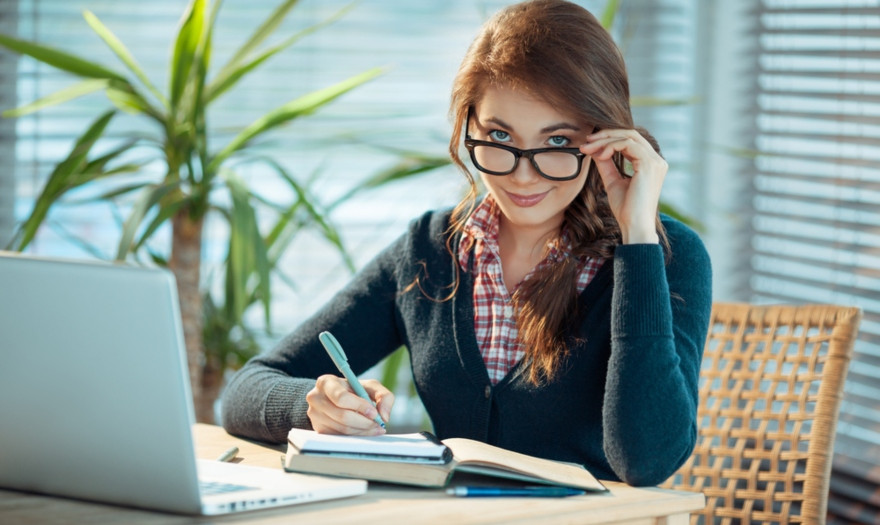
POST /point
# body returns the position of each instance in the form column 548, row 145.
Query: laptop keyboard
column 209, row 488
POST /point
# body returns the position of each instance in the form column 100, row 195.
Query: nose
column 524, row 173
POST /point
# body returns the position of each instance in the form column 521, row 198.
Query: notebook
column 95, row 399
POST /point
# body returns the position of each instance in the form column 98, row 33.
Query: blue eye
column 499, row 136
column 558, row 141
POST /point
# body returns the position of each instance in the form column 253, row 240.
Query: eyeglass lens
column 551, row 163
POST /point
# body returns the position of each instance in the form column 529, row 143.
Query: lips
column 526, row 201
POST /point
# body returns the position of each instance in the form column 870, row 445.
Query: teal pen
column 514, row 492
column 341, row 361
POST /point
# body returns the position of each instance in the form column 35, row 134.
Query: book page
column 468, row 451
column 394, row 445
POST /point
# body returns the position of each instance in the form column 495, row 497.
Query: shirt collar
column 484, row 221
column 483, row 224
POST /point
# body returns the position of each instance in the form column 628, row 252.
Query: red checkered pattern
column 494, row 318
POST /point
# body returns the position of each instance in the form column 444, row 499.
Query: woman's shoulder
column 431, row 227
column 681, row 236
column 688, row 254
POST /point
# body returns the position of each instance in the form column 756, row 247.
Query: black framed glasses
column 559, row 164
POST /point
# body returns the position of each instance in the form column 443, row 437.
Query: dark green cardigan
column 625, row 406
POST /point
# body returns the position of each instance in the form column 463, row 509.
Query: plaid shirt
column 494, row 318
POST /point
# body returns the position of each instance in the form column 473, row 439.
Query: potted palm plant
column 176, row 133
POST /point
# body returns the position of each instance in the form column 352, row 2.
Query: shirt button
column 488, row 391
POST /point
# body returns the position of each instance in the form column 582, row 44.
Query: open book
column 422, row 460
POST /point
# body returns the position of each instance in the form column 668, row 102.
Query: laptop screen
column 93, row 396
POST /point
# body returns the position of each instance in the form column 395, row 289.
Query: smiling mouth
column 526, row 201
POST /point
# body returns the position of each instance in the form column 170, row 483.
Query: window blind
column 661, row 44
column 8, row 66
column 815, row 220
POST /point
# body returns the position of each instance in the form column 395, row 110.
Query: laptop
column 95, row 398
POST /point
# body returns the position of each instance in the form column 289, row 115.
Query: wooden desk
column 385, row 504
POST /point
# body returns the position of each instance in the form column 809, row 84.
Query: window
column 813, row 216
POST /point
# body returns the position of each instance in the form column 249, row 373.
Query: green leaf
column 99, row 164
column 192, row 106
column 658, row 101
column 59, row 59
column 125, row 97
column 145, row 201
column 188, row 38
column 227, row 78
column 247, row 253
column 262, row 32
column 234, row 70
column 301, row 106
column 61, row 179
column 118, row 192
column 123, row 169
column 122, row 52
column 328, row 231
column 75, row 91
column 609, row 13
column 77, row 240
column 411, row 165
column 168, row 207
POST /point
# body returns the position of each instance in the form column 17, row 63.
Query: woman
column 559, row 316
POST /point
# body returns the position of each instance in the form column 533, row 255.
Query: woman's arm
column 267, row 397
column 660, row 315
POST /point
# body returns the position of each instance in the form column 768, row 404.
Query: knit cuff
column 286, row 407
column 640, row 305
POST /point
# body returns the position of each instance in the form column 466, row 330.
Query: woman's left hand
column 633, row 200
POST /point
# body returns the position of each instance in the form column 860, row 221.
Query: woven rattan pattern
column 770, row 388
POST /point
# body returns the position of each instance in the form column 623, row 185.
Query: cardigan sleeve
column 266, row 397
column 659, row 319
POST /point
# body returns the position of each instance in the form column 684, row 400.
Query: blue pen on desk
column 514, row 492
column 341, row 361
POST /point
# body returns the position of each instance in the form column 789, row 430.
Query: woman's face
column 528, row 200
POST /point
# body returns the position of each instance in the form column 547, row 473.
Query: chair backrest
column 770, row 388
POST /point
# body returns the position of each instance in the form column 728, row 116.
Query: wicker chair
column 770, row 389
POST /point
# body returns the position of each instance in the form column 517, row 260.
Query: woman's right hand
column 334, row 408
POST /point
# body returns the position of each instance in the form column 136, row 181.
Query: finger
column 599, row 149
column 341, row 394
column 323, row 424
column 632, row 134
column 383, row 397
column 333, row 403
column 330, row 419
column 606, row 148
column 317, row 413
column 636, row 142
column 608, row 172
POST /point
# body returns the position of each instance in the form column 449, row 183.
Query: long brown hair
column 556, row 51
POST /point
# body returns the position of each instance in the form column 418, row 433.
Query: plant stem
column 185, row 263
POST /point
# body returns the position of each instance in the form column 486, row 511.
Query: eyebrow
column 548, row 129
